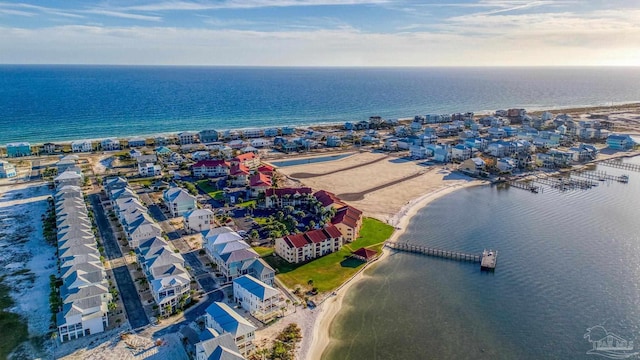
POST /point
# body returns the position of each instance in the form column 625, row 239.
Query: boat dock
column 601, row 176
column 524, row 185
column 566, row 183
column 487, row 261
column 620, row 165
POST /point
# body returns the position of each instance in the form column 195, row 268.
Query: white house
column 110, row 144
column 506, row 165
column 68, row 178
column 187, row 137
column 200, row 155
column 223, row 319
column 147, row 165
column 7, row 170
column 198, row 220
column 81, row 146
column 417, row 152
column 461, row 152
column 179, row 201
column 261, row 300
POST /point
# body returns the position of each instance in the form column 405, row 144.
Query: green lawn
column 210, row 189
column 330, row 271
column 247, row 203
column 143, row 181
column 14, row 327
column 260, row 220
column 263, row 251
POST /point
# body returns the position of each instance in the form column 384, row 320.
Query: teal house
column 620, row 142
column 18, row 149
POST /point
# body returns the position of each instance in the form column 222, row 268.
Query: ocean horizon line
column 331, row 67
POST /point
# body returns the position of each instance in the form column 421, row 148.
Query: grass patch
column 247, row 203
column 331, row 271
column 264, row 251
column 205, row 186
column 261, row 220
column 14, row 328
column 142, row 181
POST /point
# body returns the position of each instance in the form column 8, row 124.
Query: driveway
column 127, row 289
column 193, row 313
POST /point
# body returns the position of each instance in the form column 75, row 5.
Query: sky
column 322, row 32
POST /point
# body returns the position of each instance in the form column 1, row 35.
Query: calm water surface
column 567, row 261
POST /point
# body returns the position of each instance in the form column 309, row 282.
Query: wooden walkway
column 425, row 250
column 601, row 176
column 524, row 185
column 621, row 165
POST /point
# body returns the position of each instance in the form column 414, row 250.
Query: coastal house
column 260, row 143
column 417, row 152
column 208, row 136
column 271, row 132
column 81, row 146
column 333, row 141
column 287, row 130
column 18, row 149
column 187, row 137
column 238, row 175
column 262, row 301
column 506, row 165
column 7, row 170
column 147, row 165
column 109, row 144
column 474, row 166
column 200, row 155
column 249, row 160
column 479, row 144
column 620, row 142
column 279, row 198
column 66, row 163
column 237, row 144
column 223, row 319
column 179, row 201
column 309, row 245
column 217, row 347
column 136, row 142
column 210, row 168
column 442, row 154
column 198, row 220
column 234, row 257
column 50, row 148
column 68, row 177
column 461, row 152
column 259, row 183
column 252, row 133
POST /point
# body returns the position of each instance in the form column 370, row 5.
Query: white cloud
column 243, row 4
column 121, row 14
column 15, row 12
column 335, row 47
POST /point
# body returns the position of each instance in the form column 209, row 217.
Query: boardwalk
column 621, row 165
column 601, row 176
column 425, row 250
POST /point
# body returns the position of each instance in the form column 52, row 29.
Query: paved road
column 128, row 292
column 199, row 271
column 193, row 313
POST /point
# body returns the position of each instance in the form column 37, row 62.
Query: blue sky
column 322, row 32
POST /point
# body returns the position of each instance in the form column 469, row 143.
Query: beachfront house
column 210, row 168
column 136, row 142
column 223, row 319
column 179, row 201
column 198, row 220
column 187, row 137
column 461, row 152
column 208, row 136
column 261, row 300
column 7, row 170
column 417, row 152
column 310, row 245
column 109, row 144
column 474, row 166
column 348, row 220
column 81, row 146
column 271, row 132
column 506, row 165
column 252, row 133
column 18, row 149
column 333, row 141
column 620, row 142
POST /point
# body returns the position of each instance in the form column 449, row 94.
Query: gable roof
column 256, row 287
column 229, row 320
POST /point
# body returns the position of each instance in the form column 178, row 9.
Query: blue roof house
column 223, row 319
column 259, row 299
column 614, row 141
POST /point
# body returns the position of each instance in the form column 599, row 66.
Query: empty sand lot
column 376, row 183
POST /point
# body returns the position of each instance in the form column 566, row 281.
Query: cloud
column 15, row 12
column 124, row 15
column 244, row 4
column 319, row 47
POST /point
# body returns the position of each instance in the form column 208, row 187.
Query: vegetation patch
column 283, row 347
column 330, row 271
column 211, row 190
column 264, row 251
column 14, row 327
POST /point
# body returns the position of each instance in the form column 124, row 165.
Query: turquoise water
column 567, row 261
column 311, row 160
column 54, row 103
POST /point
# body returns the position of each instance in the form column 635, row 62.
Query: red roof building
column 250, row 160
column 310, row 245
column 210, row 168
column 279, row 198
column 365, row 254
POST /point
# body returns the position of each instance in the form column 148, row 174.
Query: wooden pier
column 489, row 260
column 621, row 165
column 601, row 176
column 425, row 250
column 566, row 183
column 524, row 185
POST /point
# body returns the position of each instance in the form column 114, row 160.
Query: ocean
column 567, row 261
column 63, row 103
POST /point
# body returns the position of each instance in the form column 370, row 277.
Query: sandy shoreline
column 332, row 306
